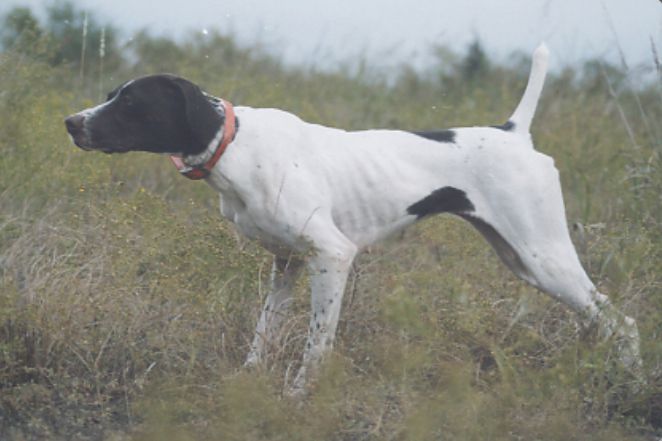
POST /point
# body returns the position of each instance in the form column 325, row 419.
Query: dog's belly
column 382, row 173
column 366, row 223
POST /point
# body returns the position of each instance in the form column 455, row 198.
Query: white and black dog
column 316, row 196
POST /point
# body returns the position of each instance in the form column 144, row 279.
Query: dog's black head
column 157, row 113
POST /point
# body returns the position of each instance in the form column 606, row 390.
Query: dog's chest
column 234, row 210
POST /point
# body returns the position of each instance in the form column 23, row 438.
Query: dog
column 315, row 196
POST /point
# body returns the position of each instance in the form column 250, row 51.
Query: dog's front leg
column 284, row 274
column 328, row 276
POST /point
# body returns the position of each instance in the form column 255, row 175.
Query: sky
column 391, row 32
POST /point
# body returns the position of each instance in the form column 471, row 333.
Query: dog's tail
column 520, row 121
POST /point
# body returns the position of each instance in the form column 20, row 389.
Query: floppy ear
column 203, row 119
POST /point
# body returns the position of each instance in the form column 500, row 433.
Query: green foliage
column 476, row 64
column 20, row 30
column 127, row 304
column 67, row 36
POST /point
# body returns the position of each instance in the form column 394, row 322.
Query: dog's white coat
column 305, row 190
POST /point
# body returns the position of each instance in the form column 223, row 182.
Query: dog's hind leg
column 284, row 274
column 553, row 267
column 532, row 238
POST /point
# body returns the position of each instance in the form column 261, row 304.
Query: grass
column 127, row 304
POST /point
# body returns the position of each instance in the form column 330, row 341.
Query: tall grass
column 127, row 304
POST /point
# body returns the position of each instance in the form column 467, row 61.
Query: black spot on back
column 442, row 200
column 508, row 126
column 438, row 135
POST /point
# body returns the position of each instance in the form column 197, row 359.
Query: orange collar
column 196, row 172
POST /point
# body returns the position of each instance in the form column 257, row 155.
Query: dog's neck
column 201, row 158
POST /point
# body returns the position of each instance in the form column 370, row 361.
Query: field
column 127, row 304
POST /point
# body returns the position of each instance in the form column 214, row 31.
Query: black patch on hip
column 442, row 200
column 508, row 126
column 438, row 135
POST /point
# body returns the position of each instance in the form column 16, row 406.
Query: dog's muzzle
column 76, row 128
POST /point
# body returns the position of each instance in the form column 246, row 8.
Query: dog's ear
column 202, row 118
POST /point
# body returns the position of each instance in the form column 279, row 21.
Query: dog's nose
column 74, row 123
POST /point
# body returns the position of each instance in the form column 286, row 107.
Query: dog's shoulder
column 267, row 118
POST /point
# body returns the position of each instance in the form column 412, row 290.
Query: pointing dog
column 315, row 196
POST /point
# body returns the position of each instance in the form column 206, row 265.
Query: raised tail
column 520, row 121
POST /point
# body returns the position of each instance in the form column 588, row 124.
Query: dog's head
column 157, row 113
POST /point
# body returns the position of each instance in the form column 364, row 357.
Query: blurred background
column 390, row 32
